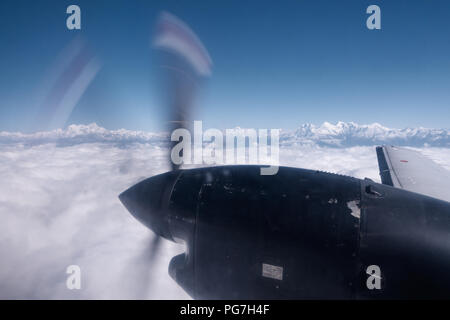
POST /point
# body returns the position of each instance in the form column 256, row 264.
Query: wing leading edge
column 410, row 170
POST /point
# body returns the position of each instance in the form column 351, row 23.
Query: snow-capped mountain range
column 345, row 134
column 341, row 134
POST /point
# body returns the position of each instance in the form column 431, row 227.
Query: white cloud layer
column 59, row 206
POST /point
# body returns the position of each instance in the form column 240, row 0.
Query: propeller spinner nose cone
column 148, row 200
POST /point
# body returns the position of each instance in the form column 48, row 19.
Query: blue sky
column 277, row 64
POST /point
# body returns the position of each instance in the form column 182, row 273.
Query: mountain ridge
column 341, row 134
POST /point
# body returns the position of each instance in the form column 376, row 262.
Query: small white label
column 270, row 271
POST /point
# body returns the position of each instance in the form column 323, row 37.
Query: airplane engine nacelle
column 299, row 234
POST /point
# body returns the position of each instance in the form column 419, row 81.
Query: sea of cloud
column 59, row 207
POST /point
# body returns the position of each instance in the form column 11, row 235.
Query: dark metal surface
column 299, row 234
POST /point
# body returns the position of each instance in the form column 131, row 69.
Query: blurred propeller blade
column 185, row 63
column 154, row 249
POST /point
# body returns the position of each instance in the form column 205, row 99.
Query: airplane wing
column 410, row 170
